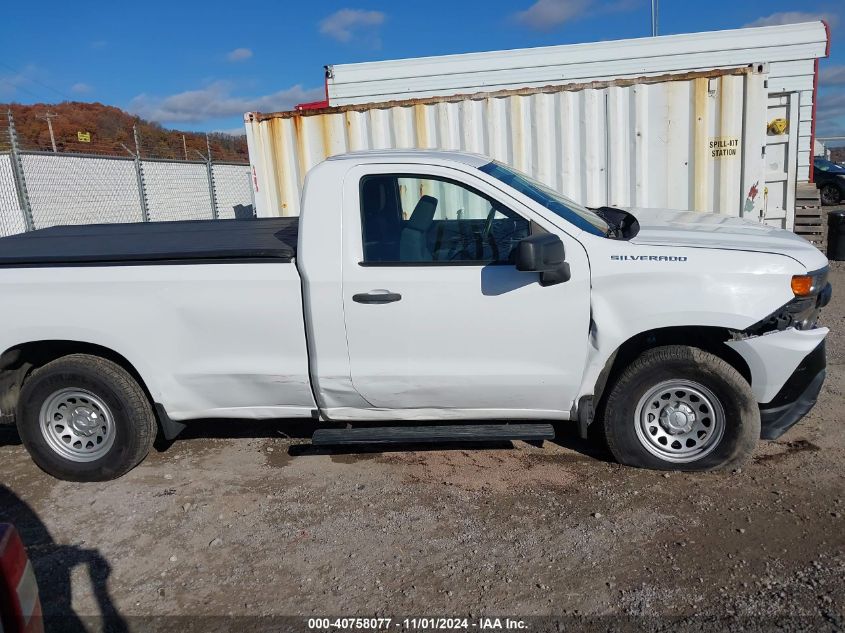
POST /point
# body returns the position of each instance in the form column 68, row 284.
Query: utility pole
column 654, row 9
column 137, row 141
column 185, row 147
column 49, row 116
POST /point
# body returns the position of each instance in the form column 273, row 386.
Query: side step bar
column 426, row 434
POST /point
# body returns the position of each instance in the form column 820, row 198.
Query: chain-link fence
column 41, row 188
column 11, row 214
column 230, row 188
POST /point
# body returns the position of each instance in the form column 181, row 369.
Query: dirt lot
column 242, row 518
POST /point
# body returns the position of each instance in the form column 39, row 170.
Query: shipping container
column 691, row 141
column 791, row 53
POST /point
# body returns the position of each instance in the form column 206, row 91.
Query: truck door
column 439, row 322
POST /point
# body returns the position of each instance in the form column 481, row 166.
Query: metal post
column 139, row 175
column 212, row 192
column 20, row 181
column 654, row 9
column 251, row 190
column 607, row 150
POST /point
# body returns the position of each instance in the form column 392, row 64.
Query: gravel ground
column 245, row 519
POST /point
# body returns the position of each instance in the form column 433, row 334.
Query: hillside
column 109, row 127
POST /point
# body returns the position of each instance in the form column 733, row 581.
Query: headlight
column 809, row 284
column 812, row 293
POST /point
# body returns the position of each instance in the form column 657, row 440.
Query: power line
column 17, row 87
column 35, row 81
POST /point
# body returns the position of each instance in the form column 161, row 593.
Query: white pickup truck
column 421, row 296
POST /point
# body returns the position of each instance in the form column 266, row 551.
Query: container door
column 781, row 161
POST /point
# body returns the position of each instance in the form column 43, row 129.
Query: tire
column 830, row 194
column 681, row 408
column 101, row 422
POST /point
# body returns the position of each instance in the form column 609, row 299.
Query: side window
column 421, row 219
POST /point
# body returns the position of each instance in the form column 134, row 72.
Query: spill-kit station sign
column 724, row 147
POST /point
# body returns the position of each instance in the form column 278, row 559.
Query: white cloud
column 830, row 115
column 545, row 15
column 239, row 55
column 346, row 24
column 831, row 105
column 232, row 131
column 830, row 127
column 80, row 88
column 832, row 76
column 12, row 84
column 793, row 17
column 548, row 14
column 216, row 101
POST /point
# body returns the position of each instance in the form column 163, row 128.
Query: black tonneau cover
column 261, row 238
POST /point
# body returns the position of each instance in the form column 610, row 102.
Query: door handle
column 376, row 296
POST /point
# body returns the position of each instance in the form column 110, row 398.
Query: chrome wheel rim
column 679, row 421
column 77, row 425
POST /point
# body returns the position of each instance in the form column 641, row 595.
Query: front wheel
column 681, row 408
column 85, row 418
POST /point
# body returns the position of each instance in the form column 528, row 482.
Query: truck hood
column 667, row 227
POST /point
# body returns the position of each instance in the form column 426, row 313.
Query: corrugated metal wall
column 789, row 49
column 646, row 142
column 793, row 80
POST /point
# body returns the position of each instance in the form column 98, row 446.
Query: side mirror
column 543, row 253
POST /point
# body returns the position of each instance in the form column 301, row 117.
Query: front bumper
column 797, row 396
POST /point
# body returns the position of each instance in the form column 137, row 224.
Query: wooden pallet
column 810, row 219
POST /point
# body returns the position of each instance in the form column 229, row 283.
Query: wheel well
column 709, row 339
column 18, row 362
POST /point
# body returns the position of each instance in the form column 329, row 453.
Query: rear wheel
column 85, row 418
column 830, row 194
column 681, row 408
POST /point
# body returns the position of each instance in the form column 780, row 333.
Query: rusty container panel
column 680, row 141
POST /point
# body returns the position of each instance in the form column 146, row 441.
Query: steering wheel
column 488, row 224
column 479, row 239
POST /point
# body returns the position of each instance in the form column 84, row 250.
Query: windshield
column 561, row 206
column 825, row 165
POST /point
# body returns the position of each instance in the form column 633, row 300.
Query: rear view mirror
column 543, row 253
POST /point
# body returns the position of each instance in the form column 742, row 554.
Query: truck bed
column 268, row 239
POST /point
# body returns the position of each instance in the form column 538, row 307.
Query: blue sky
column 199, row 65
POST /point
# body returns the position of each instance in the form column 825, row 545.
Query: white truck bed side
column 209, row 340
